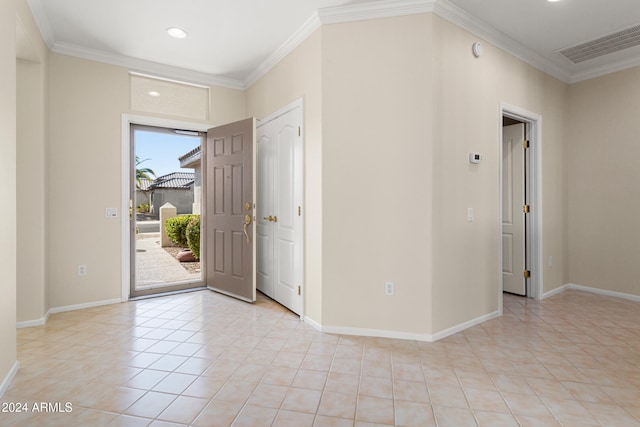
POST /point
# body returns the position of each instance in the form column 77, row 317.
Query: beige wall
column 32, row 297
column 392, row 109
column 377, row 179
column 403, row 102
column 469, row 90
column 31, row 206
column 8, row 188
column 604, row 177
column 298, row 76
column 87, row 100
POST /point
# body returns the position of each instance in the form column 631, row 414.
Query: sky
column 163, row 150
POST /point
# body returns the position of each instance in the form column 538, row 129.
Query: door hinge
column 299, row 131
column 527, row 274
column 525, row 144
column 526, row 209
column 299, row 290
column 299, row 211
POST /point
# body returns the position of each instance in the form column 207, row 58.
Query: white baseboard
column 604, row 292
column 466, row 325
column 7, row 380
column 41, row 321
column 383, row 333
column 556, row 291
column 84, row 305
column 366, row 332
column 312, row 322
column 37, row 322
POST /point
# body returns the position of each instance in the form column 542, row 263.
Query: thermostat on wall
column 475, row 157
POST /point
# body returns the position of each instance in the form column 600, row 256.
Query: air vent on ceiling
column 602, row 46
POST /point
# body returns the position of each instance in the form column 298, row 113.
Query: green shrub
column 193, row 235
column 177, row 229
column 143, row 208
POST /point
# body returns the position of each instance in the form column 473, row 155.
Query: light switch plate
column 111, row 213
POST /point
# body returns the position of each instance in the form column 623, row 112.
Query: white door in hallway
column 279, row 209
column 513, row 216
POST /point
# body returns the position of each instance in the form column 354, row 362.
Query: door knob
column 271, row 218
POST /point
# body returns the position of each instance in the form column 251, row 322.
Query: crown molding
column 301, row 34
column 333, row 15
column 470, row 23
column 604, row 70
column 40, row 16
column 146, row 67
column 381, row 9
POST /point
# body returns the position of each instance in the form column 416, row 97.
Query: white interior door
column 279, row 212
column 287, row 229
column 513, row 217
column 265, row 209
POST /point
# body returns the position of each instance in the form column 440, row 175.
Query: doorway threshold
column 164, row 294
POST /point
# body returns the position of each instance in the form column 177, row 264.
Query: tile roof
column 173, row 180
column 190, row 159
column 144, row 184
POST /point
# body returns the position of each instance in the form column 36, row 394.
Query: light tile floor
column 203, row 359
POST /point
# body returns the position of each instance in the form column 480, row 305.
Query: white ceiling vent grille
column 604, row 45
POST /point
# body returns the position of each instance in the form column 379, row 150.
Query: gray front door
column 229, row 229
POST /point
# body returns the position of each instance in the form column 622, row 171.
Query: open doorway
column 515, row 207
column 520, row 203
column 164, row 209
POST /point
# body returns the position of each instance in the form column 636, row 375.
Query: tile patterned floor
column 203, row 359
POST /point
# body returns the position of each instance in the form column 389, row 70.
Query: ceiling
column 230, row 41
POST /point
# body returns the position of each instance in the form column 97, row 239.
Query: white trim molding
column 555, row 291
column 535, row 231
column 592, row 290
column 312, row 322
column 466, row 325
column 146, row 67
column 375, row 10
column 37, row 322
column 84, row 305
column 383, row 333
column 4, row 385
column 604, row 70
column 41, row 18
column 475, row 26
column 379, row 333
column 296, row 39
column 43, row 320
column 331, row 15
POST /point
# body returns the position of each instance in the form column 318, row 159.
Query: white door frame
column 534, row 188
column 127, row 121
column 261, row 122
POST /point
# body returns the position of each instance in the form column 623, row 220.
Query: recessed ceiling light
column 552, row 1
column 153, row 93
column 177, row 33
